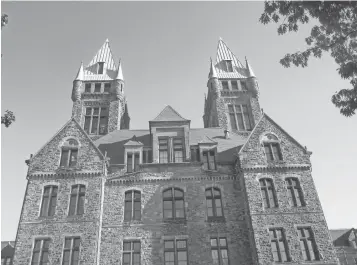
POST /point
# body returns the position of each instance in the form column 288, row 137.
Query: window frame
column 173, row 199
column 107, row 87
column 195, row 154
column 213, row 197
column 147, row 155
column 265, row 190
column 96, row 85
column 88, row 88
column 77, row 196
column 6, row 260
column 175, row 250
column 71, row 249
column 276, row 240
column 170, row 149
column 100, row 117
column 225, row 88
column 100, row 68
column 133, row 164
column 72, row 150
column 51, row 197
column 219, row 249
column 40, row 250
column 243, row 85
column 133, row 199
column 242, row 111
column 132, row 251
column 236, row 87
column 304, row 239
column 295, row 193
column 206, row 154
column 226, row 65
column 269, row 144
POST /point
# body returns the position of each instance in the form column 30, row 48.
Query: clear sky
column 165, row 49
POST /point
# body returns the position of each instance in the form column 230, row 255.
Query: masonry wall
column 152, row 230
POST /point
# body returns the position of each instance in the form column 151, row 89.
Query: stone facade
column 170, row 155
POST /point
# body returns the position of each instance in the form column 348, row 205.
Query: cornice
column 274, row 168
column 50, row 175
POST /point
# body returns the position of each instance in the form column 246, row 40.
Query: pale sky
column 165, row 49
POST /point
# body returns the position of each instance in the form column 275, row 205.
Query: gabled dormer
column 170, row 137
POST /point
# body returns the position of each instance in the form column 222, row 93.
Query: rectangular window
column 175, row 252
column 106, row 87
column 129, row 163
column 163, row 150
column 294, row 192
column 131, row 252
column 219, row 250
column 178, row 150
column 69, row 157
column 234, row 85
column 76, row 203
column 272, row 151
column 229, row 66
column 100, row 68
column 232, row 117
column 209, row 161
column 88, row 87
column 278, row 244
column 268, row 193
column 40, row 252
column 247, row 123
column 239, row 115
column 132, row 210
column 133, row 162
column 97, row 87
column 225, row 85
column 96, row 120
column 49, row 201
column 308, row 244
column 243, row 85
column 147, row 156
column 195, row 154
column 71, row 251
column 136, row 162
column 268, row 152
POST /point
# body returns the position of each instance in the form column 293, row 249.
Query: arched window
column 69, row 153
column 132, row 207
column 214, row 202
column 268, row 193
column 173, row 203
column 295, row 194
column 76, row 204
column 272, row 147
column 49, row 200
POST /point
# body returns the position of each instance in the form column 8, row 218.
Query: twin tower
column 100, row 105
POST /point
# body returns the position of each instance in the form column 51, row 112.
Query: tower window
column 96, row 120
column 106, row 87
column 278, row 244
column 228, row 66
column 71, row 251
column 100, row 68
column 97, row 87
column 239, row 115
column 234, row 85
column 131, row 252
column 308, row 244
column 225, row 85
column 40, row 252
column 88, row 87
column 244, row 85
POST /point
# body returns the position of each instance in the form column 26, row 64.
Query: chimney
column 226, row 134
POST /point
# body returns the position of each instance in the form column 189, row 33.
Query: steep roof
column 105, row 55
column 169, row 114
column 224, row 53
column 342, row 237
column 5, row 243
column 250, row 72
column 7, row 248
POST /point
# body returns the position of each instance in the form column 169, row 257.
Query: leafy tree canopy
column 335, row 32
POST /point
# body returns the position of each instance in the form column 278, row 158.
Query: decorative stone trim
column 256, row 169
column 34, row 176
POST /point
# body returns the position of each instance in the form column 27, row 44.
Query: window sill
column 46, row 217
column 216, row 219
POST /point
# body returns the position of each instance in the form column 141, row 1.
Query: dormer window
column 69, row 154
column 272, row 148
column 171, row 150
column 132, row 162
column 100, row 68
column 228, row 66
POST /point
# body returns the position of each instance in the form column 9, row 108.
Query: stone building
column 345, row 242
column 238, row 191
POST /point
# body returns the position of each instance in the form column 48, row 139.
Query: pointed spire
column 120, row 72
column 80, row 74
column 212, row 71
column 249, row 68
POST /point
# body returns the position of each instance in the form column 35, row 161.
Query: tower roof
column 225, row 54
column 119, row 72
column 169, row 114
column 104, row 55
column 212, row 71
column 80, row 74
column 250, row 72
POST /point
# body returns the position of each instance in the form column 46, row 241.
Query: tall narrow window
column 214, row 202
column 6, row 260
column 195, row 154
column 40, row 252
column 225, row 85
column 268, row 193
column 147, row 156
column 294, row 192
column 178, row 150
column 88, row 87
column 272, row 147
column 239, row 114
column 131, row 252
column 133, row 162
column 71, row 251
column 243, row 85
column 96, row 120
column 308, row 244
column 76, row 203
column 132, row 207
column 97, row 87
column 278, row 245
column 163, row 150
column 100, row 68
column 219, row 250
column 175, row 252
column 209, row 160
column 173, row 203
column 106, row 87
column 49, row 200
column 69, row 153
column 234, row 85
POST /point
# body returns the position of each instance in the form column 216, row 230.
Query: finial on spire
column 212, row 71
column 107, row 40
column 80, row 74
column 120, row 72
column 220, row 38
column 249, row 68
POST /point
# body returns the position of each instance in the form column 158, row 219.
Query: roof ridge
column 168, row 108
column 225, row 44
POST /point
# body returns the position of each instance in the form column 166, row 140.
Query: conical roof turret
column 119, row 72
column 80, row 74
column 250, row 72
column 212, row 71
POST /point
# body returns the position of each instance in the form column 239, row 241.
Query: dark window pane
column 72, row 205
column 64, row 158
column 94, row 125
column 126, row 258
column 136, row 246
column 229, row 66
column 129, row 163
column 87, row 124
column 240, row 121
column 103, row 125
column 81, row 204
column 169, row 244
column 225, row 85
column 97, row 87
column 106, row 87
column 73, row 158
column 136, row 162
column 276, row 151
column 127, row 246
column 234, row 85
column 168, row 193
column 44, row 207
column 268, row 152
column 100, row 68
column 178, row 193
column 88, row 87
column 67, row 243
